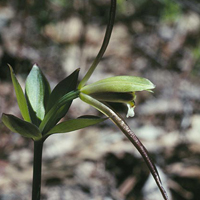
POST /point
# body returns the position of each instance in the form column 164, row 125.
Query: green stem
column 104, row 44
column 37, row 167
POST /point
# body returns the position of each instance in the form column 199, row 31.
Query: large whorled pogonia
column 118, row 89
column 42, row 108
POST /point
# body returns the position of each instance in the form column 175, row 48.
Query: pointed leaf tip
column 61, row 90
column 63, row 87
column 76, row 124
column 24, row 128
column 20, row 96
column 37, row 94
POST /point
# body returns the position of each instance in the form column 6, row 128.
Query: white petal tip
column 130, row 112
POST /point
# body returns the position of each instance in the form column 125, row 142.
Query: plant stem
column 37, row 166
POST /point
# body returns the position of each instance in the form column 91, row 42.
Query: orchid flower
column 42, row 108
column 118, row 89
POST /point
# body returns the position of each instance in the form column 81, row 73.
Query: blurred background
column 156, row 39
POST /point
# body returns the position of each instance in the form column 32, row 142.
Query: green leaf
column 37, row 94
column 119, row 84
column 51, row 118
column 55, row 108
column 66, row 85
column 24, row 128
column 75, row 124
column 20, row 97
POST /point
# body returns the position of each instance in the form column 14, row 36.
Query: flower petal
column 119, row 84
column 114, row 96
column 130, row 112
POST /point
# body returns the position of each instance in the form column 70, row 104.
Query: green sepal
column 119, row 84
column 75, row 124
column 60, row 101
column 20, row 97
column 37, row 94
column 24, row 128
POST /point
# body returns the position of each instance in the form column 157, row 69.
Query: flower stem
column 37, row 168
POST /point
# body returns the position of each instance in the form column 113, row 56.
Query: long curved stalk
column 129, row 134
column 104, row 44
